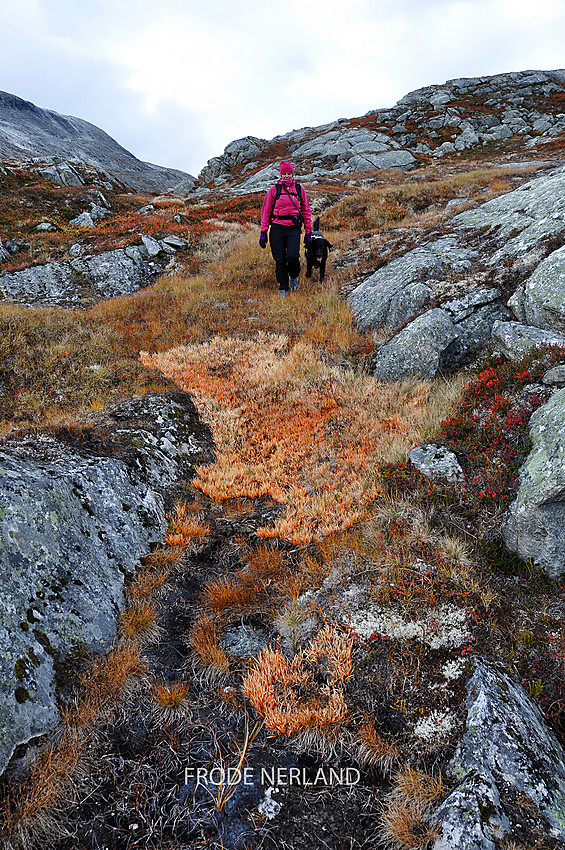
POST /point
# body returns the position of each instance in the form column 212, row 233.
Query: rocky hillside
column 67, row 149
column 316, row 540
column 482, row 116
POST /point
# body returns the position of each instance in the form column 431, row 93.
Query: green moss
column 20, row 668
column 22, row 694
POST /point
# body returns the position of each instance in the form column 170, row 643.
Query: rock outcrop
column 74, row 520
column 84, row 280
column 516, row 232
column 525, row 107
column 535, row 522
column 506, row 749
column 62, row 144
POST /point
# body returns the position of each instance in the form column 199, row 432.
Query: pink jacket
column 286, row 205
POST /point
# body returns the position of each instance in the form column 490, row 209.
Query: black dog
column 317, row 251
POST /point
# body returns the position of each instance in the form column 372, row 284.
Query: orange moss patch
column 288, row 425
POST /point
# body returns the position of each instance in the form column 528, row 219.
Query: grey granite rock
column 415, row 350
column 473, row 331
column 506, row 744
column 522, row 218
column 436, row 462
column 83, row 220
column 243, row 641
column 540, row 300
column 74, row 520
column 514, row 339
column 555, row 377
column 151, row 245
column 534, row 525
column 82, row 280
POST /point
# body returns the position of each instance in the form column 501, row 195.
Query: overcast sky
column 174, row 81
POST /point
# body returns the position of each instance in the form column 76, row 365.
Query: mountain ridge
column 29, row 132
column 514, row 112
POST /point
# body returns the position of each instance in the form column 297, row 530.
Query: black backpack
column 296, row 219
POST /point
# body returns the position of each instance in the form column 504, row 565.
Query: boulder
column 82, row 281
column 436, row 462
column 73, row 522
column 85, row 219
column 396, row 293
column 534, row 525
column 506, row 750
column 151, row 245
column 555, row 377
column 523, row 218
column 514, row 340
column 473, row 331
column 417, row 349
column 540, row 300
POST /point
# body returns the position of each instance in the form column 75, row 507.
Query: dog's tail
column 317, row 223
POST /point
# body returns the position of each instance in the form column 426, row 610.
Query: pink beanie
column 286, row 165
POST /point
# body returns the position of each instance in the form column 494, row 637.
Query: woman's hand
column 263, row 239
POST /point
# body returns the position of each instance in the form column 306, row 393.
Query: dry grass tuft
column 27, row 811
column 184, row 529
column 139, row 622
column 205, row 641
column 373, row 751
column 147, row 582
column 225, row 594
column 108, row 678
column 405, row 826
column 406, row 816
column 415, row 784
column 171, row 700
column 288, row 694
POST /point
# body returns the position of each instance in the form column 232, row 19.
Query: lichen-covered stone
column 436, row 462
column 540, row 301
column 522, row 218
column 82, row 281
column 536, row 519
column 415, row 350
column 506, row 743
column 74, row 519
column 514, row 340
column 396, row 293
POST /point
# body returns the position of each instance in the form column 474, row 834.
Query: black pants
column 285, row 248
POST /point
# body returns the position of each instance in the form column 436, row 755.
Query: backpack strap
column 297, row 194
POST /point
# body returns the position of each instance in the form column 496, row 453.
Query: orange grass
column 405, row 826
column 288, row 425
column 48, row 781
column 204, row 639
column 372, row 750
column 148, row 581
column 183, row 528
column 171, row 699
column 226, row 593
column 140, row 621
column 107, row 678
column 287, row 693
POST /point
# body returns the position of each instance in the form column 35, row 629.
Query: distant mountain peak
column 29, row 133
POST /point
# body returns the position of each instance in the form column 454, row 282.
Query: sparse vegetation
column 309, row 512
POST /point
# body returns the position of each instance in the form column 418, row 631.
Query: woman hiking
column 285, row 208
